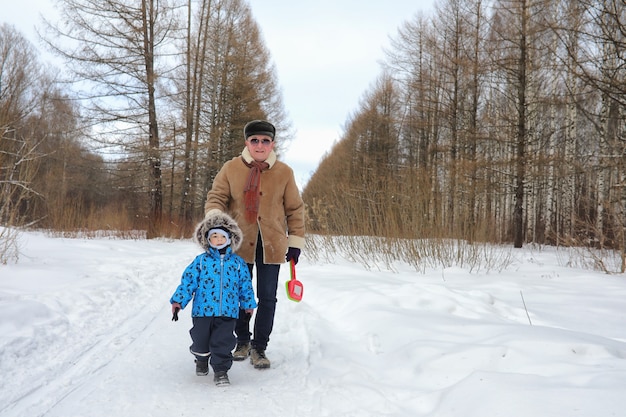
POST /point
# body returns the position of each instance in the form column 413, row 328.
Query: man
column 261, row 194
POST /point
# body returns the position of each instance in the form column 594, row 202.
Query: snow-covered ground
column 86, row 330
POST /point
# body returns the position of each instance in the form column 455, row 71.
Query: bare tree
column 520, row 132
column 593, row 36
column 196, row 44
column 512, row 34
column 234, row 82
column 117, row 54
column 20, row 84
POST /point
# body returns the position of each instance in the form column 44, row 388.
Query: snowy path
column 116, row 348
column 89, row 333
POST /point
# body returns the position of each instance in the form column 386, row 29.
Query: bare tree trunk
column 568, row 205
column 473, row 124
column 549, row 227
column 154, row 151
column 520, row 174
column 622, row 239
column 186, row 199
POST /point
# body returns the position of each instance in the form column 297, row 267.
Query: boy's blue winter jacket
column 218, row 284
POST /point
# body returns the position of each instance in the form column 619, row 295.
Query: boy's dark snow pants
column 214, row 335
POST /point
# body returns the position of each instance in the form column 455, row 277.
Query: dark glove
column 293, row 253
column 175, row 310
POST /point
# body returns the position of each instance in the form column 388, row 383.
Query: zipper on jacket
column 221, row 310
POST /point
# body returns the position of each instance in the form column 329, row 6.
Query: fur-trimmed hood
column 218, row 219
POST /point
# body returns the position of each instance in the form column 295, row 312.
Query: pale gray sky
column 326, row 52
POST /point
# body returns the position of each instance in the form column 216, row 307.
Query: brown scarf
column 252, row 191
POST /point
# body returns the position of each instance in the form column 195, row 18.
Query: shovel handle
column 292, row 269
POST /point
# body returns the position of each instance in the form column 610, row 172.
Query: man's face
column 259, row 146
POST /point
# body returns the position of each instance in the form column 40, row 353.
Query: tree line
column 155, row 95
column 499, row 121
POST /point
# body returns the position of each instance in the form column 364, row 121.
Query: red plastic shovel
column 295, row 289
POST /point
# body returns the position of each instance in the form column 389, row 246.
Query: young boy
column 219, row 283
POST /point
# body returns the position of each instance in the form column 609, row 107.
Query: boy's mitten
column 175, row 311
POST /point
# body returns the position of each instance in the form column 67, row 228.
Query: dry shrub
column 9, row 245
column 421, row 254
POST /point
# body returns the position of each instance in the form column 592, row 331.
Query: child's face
column 216, row 239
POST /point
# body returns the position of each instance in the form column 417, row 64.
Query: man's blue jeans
column 266, row 287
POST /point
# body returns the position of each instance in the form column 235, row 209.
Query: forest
column 496, row 121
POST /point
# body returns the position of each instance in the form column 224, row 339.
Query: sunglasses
column 264, row 142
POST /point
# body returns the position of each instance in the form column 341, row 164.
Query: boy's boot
column 202, row 367
column 221, row 379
